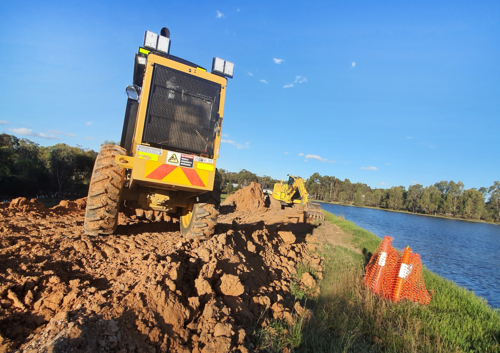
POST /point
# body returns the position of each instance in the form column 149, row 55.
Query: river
column 466, row 253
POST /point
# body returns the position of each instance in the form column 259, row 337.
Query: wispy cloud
column 353, row 64
column 225, row 135
column 288, row 86
column 88, row 123
column 388, row 164
column 382, row 183
column 346, row 163
column 264, row 81
column 301, row 154
column 89, row 138
column 318, row 158
column 22, row 131
column 278, row 61
column 409, row 137
column 300, row 79
column 429, row 145
column 368, row 168
column 286, row 152
column 57, row 132
column 237, row 10
column 220, row 14
column 237, row 145
column 414, row 182
column 4, row 122
column 250, row 74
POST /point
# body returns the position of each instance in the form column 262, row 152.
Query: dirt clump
column 145, row 288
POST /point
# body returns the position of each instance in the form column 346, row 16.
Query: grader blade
column 313, row 210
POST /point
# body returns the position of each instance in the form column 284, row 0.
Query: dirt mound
column 22, row 204
column 250, row 198
column 147, row 288
column 66, row 205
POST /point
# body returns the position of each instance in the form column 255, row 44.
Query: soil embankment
column 147, row 288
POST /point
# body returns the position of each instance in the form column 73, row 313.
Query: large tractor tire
column 101, row 214
column 201, row 219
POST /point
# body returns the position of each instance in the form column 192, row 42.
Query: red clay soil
column 146, row 288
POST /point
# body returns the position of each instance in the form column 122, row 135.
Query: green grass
column 349, row 318
column 223, row 197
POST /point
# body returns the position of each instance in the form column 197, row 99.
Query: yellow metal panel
column 204, row 166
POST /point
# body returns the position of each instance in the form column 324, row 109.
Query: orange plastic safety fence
column 385, row 268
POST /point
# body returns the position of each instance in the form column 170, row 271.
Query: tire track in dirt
column 145, row 288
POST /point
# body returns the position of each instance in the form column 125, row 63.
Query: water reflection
column 465, row 252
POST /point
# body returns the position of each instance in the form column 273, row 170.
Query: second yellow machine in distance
column 294, row 192
column 165, row 166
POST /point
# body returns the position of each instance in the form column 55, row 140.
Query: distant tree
column 413, row 194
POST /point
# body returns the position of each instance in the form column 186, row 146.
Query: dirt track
column 147, row 289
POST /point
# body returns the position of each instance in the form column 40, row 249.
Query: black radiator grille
column 182, row 111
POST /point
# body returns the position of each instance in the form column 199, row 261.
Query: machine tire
column 201, row 221
column 106, row 184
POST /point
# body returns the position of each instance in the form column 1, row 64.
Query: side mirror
column 133, row 92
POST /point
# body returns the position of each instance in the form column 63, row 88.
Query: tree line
column 30, row 170
column 446, row 198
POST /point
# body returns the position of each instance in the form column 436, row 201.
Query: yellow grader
column 294, row 193
column 165, row 166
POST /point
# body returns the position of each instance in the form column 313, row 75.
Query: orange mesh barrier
column 396, row 277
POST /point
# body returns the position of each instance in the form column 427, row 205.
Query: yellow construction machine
column 165, row 166
column 293, row 193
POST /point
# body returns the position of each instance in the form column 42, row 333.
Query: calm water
column 464, row 252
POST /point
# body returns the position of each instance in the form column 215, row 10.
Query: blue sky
column 381, row 92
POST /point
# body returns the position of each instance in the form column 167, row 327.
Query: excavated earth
column 147, row 288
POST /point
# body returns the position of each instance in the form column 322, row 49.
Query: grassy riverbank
column 412, row 213
column 349, row 318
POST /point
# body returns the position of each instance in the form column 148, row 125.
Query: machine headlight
column 222, row 67
column 228, row 69
column 163, row 44
column 150, row 40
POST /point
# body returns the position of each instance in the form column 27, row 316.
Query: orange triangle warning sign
column 173, row 159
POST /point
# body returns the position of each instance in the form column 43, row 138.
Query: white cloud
column 288, row 86
column 388, row 164
column 28, row 132
column 225, row 135
column 286, row 152
column 353, row 64
column 414, row 182
column 250, row 74
column 278, row 61
column 88, row 123
column 300, row 79
column 238, row 10
column 237, row 145
column 382, row 183
column 318, row 158
column 301, row 154
column 264, row 81
column 368, row 168
column 4, row 122
column 409, row 137
column 220, row 14
column 57, row 132
column 89, row 138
